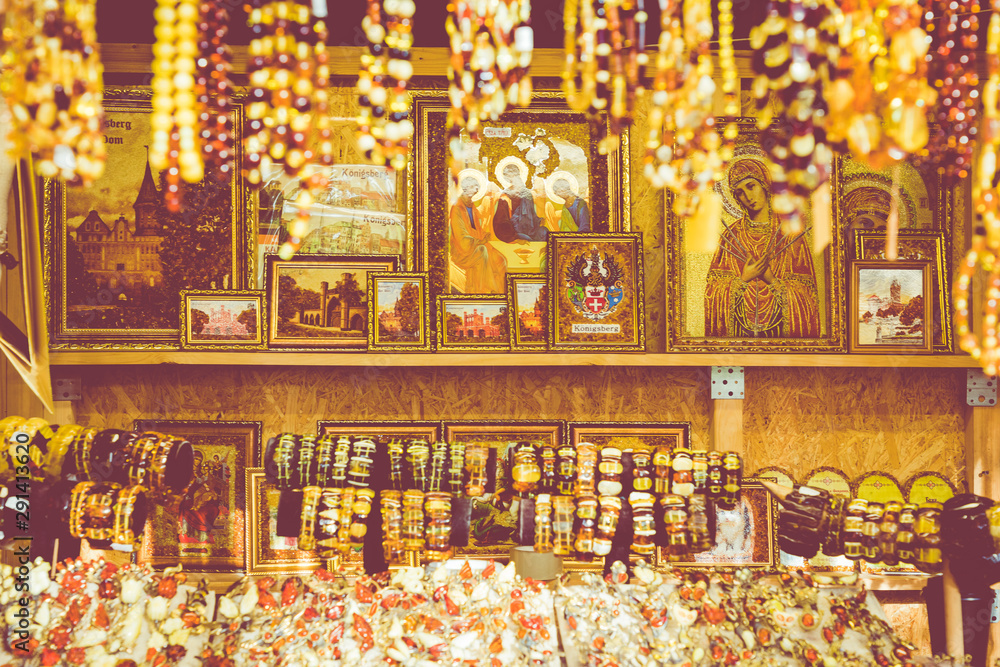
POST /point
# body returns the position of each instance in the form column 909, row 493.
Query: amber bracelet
column 325, row 449
column 362, row 508
column 306, row 455
column 675, row 517
column 158, row 464
column 97, row 512
column 307, row 526
column 889, row 531
column 77, row 497
column 607, row 524
column 341, row 457
column 80, row 450
column 643, row 523
column 284, row 453
column 927, row 529
column 854, row 520
column 124, row 536
column 833, row 541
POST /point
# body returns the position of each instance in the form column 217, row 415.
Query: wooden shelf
column 449, row 359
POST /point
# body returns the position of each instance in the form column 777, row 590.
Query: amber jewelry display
column 853, row 530
column 643, row 523
column 214, row 89
column 58, row 448
column 307, row 524
column 682, row 473
column 437, row 506
column 684, row 151
column 927, row 530
column 952, row 26
column 905, row 537
column 325, row 448
column 384, row 126
column 52, row 82
column 284, row 454
column 675, row 519
column 661, row 470
column 456, row 472
column 889, row 532
column 361, row 463
column 130, row 509
column 701, row 537
column 566, row 470
column 604, row 51
column 413, row 534
column 732, row 480
column 328, row 523
column 543, row 523
column 476, row 458
column 793, row 52
column 346, row 520
column 610, row 470
column 392, row 525
column 586, row 469
column 585, row 529
column 491, row 46
column 305, row 466
column 176, row 142
column 607, row 524
column 563, row 510
column 526, row 471
column 341, row 459
column 363, row 499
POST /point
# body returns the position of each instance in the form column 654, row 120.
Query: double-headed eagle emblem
column 594, row 284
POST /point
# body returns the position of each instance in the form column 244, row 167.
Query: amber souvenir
column 413, row 520
column 682, row 473
column 905, row 538
column 675, row 517
column 607, row 524
column 610, row 470
column 870, row 549
column 307, row 524
column 586, row 469
column 476, row 458
column 927, row 530
column 548, row 469
column 392, row 526
column 642, row 477
column 643, row 523
column 714, row 475
column 661, row 469
column 543, row 523
column 526, row 472
column 586, row 526
column 853, row 530
column 563, row 511
column 438, row 509
column 889, row 532
column 306, row 465
column 566, row 470
column 362, row 508
column 732, row 478
column 701, row 538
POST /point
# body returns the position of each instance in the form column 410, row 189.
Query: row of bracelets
column 161, row 463
column 108, row 514
column 327, row 461
column 889, row 533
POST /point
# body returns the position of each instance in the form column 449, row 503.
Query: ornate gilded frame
column 427, row 430
column 855, row 294
column 338, row 265
column 763, row 540
column 497, row 434
column 570, row 329
column 687, row 273
column 379, row 342
column 191, row 341
column 428, row 170
column 127, row 106
column 232, row 446
column 918, row 244
column 644, row 436
column 516, row 284
column 262, row 557
column 447, row 344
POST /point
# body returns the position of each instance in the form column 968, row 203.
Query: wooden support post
column 954, row 637
column 727, row 427
column 982, row 468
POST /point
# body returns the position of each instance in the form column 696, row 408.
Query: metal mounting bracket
column 727, row 382
column 980, row 389
column 67, row 388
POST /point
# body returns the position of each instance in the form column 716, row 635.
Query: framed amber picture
column 222, row 320
column 383, row 430
column 533, row 171
column 761, row 289
column 205, row 531
column 745, row 536
column 492, row 530
column 528, row 311
column 596, row 292
column 117, row 258
column 318, row 301
column 921, row 245
column 268, row 553
column 471, row 323
column 360, row 212
column 398, row 312
column 636, row 436
column 891, row 307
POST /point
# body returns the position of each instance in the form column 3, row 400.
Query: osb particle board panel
column 898, row 420
column 294, row 399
